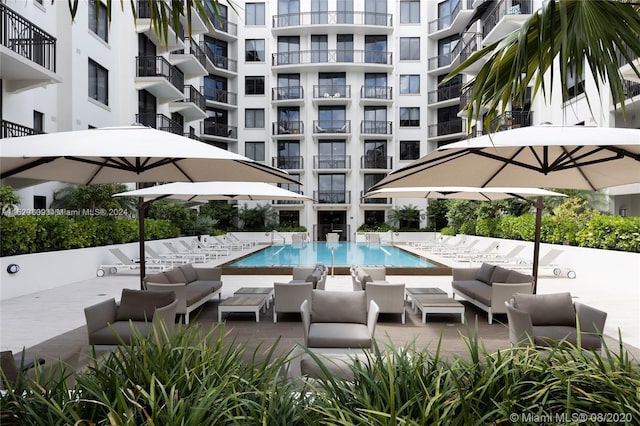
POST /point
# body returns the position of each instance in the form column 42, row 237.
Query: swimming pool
column 344, row 254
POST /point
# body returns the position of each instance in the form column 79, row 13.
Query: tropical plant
column 259, row 218
column 405, row 218
column 573, row 32
column 223, row 212
column 92, row 197
column 174, row 212
column 8, row 198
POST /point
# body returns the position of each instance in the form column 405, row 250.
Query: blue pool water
column 345, row 254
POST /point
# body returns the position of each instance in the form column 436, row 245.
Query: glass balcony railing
column 287, row 127
column 288, row 162
column 212, row 128
column 331, row 18
column 374, row 161
column 334, row 91
column 331, row 161
column 287, row 93
column 332, row 197
column 372, row 127
column 376, row 92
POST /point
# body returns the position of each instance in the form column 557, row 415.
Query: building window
column 410, row 11
column 409, row 84
column 98, row 82
column 409, row 117
column 254, row 150
column 344, row 44
column 345, row 11
column 319, row 12
column 409, row 48
column 254, row 119
column 39, row 202
column 332, row 188
column 409, row 150
column 254, row 50
column 254, row 14
column 319, row 48
column 375, row 12
column 375, row 49
column 288, row 50
column 575, row 84
column 38, row 122
column 254, row 85
column 98, row 22
column 289, row 217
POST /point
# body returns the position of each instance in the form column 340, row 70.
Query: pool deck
column 49, row 323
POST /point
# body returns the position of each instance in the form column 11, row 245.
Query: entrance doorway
column 332, row 221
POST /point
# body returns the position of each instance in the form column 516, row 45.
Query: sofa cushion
column 312, row 279
column 338, row 335
column 175, row 276
column 109, row 335
column 475, row 290
column 139, row 305
column 547, row 309
column 338, row 307
column 195, row 293
column 159, row 278
column 499, row 275
column 210, row 286
column 518, row 277
column 484, row 273
column 189, row 272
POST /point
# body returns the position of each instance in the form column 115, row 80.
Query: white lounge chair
column 503, row 259
column 226, row 243
column 125, row 262
column 548, row 261
column 473, row 255
column 245, row 243
column 194, row 257
column 215, row 249
column 171, row 259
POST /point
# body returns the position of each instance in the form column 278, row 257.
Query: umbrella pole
column 536, row 243
column 141, row 242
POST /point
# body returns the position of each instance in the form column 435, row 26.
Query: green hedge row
column 602, row 232
column 33, row 234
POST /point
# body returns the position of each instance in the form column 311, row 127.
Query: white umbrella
column 205, row 191
column 460, row 192
column 124, row 154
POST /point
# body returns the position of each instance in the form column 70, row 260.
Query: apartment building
column 337, row 92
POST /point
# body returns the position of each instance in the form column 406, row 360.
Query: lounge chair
column 222, row 242
column 504, row 259
column 127, row 263
column 425, row 244
column 192, row 256
column 473, row 255
column 210, row 252
column 251, row 243
column 548, row 261
column 457, row 251
column 170, row 259
column 216, row 249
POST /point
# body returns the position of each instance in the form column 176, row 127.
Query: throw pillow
column 139, row 305
column 485, row 272
column 547, row 309
column 189, row 272
column 499, row 275
column 175, row 276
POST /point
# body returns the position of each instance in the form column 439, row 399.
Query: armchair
column 287, row 297
column 389, row 297
column 544, row 319
column 339, row 319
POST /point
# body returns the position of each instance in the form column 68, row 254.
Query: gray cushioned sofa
column 110, row 324
column 360, row 275
column 544, row 319
column 193, row 286
column 489, row 286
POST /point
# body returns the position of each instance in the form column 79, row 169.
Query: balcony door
column 319, row 12
column 375, row 85
column 332, row 119
column 289, row 86
column 332, row 154
column 375, row 12
column 375, row 120
column 288, row 13
column 375, row 154
column 332, row 84
column 332, row 188
column 288, row 50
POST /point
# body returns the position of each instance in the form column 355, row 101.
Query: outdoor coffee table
column 251, row 303
column 267, row 292
column 428, row 304
column 424, row 291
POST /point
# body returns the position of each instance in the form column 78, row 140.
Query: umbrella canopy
column 124, row 154
column 205, row 191
column 572, row 157
column 460, row 192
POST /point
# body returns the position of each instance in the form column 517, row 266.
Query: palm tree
column 581, row 34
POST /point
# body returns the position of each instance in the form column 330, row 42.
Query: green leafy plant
column 405, row 218
column 259, row 218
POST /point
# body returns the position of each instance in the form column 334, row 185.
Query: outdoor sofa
column 489, row 286
column 314, row 274
column 360, row 276
column 193, row 286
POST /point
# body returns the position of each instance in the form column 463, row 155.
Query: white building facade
column 337, row 92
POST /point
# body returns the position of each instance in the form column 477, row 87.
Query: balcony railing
column 160, row 122
column 511, row 120
column 288, row 162
column 506, row 7
column 382, row 162
column 221, row 62
column 212, row 128
column 14, row 130
column 287, row 127
column 144, row 12
column 332, row 91
column 26, row 39
column 333, row 17
column 331, row 126
column 631, row 89
column 446, row 21
column 331, row 161
column 222, row 24
column 445, row 128
column 193, row 48
column 371, row 127
column 444, row 93
column 289, row 201
column 332, row 56
column 222, row 96
column 191, row 94
column 373, row 200
column 471, row 43
column 376, row 92
column 157, row 66
column 332, row 197
column 287, row 93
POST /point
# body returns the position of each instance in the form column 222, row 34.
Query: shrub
column 468, row 228
column 448, row 231
column 486, row 227
column 517, row 227
column 611, row 232
column 18, row 235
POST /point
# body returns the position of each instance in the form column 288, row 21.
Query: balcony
column 221, row 98
column 453, row 23
column 289, row 202
column 211, row 130
column 331, row 162
column 27, row 53
column 446, row 128
column 385, row 201
column 288, row 162
column 334, row 60
column 191, row 60
column 287, row 129
column 371, row 128
column 332, row 21
column 376, row 162
column 192, row 107
column 510, row 120
column 332, row 197
column 174, row 37
column 444, row 96
column 331, row 127
column 217, row 64
column 626, row 71
column 331, row 94
column 156, row 75
column 376, row 95
column 505, row 18
column 288, row 95
column 14, row 130
column 160, row 122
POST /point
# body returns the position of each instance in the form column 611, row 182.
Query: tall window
column 446, row 47
column 446, row 10
column 215, row 88
column 409, row 48
column 575, row 84
column 375, row 154
column 254, row 118
column 375, row 85
column 288, row 12
column 332, row 154
column 332, row 83
column 375, row 49
column 38, row 121
column 98, row 82
column 409, row 84
column 289, row 86
column 344, row 48
column 375, row 120
column 409, row 116
column 98, row 22
column 217, row 51
column 345, row 11
column 319, row 48
column 332, row 119
column 319, row 9
column 331, row 188
column 254, row 50
column 288, row 50
column 254, row 14
column 289, row 155
column 254, row 85
column 409, row 11
column 254, row 150
column 409, row 150
column 371, row 179
column 289, row 120
column 375, row 12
